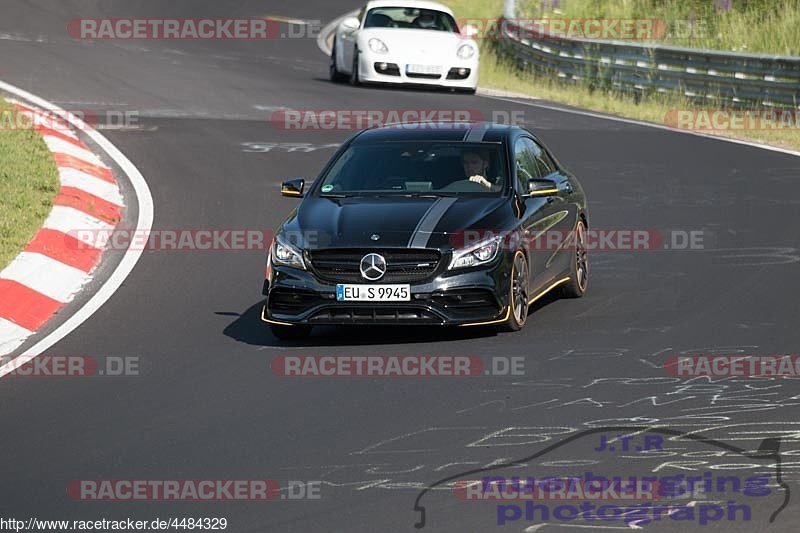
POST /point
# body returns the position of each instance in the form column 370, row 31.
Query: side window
column 360, row 15
column 544, row 164
column 525, row 163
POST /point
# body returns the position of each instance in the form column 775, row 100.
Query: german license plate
column 423, row 69
column 373, row 293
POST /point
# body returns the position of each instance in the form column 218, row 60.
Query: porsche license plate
column 423, row 69
column 373, row 293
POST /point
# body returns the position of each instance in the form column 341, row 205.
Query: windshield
column 418, row 168
column 405, row 17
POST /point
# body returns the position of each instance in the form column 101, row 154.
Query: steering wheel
column 464, row 186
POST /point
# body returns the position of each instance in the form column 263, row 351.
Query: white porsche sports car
column 405, row 41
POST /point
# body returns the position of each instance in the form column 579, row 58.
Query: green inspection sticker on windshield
column 327, row 188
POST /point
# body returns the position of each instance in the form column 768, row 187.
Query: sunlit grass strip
column 760, row 26
column 28, row 184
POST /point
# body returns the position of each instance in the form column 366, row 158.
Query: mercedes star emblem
column 373, row 266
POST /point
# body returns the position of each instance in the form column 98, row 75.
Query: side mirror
column 470, row 31
column 541, row 187
column 293, row 187
column 350, row 23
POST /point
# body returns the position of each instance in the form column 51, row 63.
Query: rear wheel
column 333, row 68
column 579, row 265
column 288, row 333
column 518, row 294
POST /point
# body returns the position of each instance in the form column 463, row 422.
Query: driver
column 476, row 166
column 425, row 20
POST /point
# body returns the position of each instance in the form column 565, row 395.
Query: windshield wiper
column 431, row 195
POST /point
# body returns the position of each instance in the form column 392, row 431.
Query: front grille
column 423, row 76
column 374, row 315
column 402, row 265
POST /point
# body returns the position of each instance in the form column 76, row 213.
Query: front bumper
column 477, row 296
column 370, row 72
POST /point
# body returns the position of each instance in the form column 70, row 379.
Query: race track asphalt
column 207, row 404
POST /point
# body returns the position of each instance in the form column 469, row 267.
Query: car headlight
column 378, row 46
column 465, row 51
column 283, row 254
column 476, row 254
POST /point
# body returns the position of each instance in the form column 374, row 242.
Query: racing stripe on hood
column 422, row 233
column 475, row 134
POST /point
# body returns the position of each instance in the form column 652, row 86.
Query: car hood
column 398, row 222
column 414, row 43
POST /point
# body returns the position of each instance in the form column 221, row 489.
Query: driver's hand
column 480, row 179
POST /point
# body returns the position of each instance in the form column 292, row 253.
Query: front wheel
column 354, row 76
column 289, row 333
column 579, row 265
column 518, row 294
column 333, row 68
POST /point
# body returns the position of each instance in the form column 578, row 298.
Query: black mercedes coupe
column 459, row 224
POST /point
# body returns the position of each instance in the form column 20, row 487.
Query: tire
column 579, row 265
column 468, row 91
column 354, row 81
column 517, row 294
column 333, row 70
column 290, row 333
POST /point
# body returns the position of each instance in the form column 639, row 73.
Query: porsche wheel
column 354, row 76
column 333, row 68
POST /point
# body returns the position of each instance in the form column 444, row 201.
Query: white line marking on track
column 143, row 224
column 45, row 275
column 648, row 124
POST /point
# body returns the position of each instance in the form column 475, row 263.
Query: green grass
column 763, row 26
column 498, row 73
column 28, row 184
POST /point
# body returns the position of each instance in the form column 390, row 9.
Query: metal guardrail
column 722, row 78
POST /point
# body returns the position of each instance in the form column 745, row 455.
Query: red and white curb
column 55, row 265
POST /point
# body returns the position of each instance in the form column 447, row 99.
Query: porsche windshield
column 419, row 168
column 406, row 17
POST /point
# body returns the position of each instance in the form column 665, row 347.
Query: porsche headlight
column 286, row 255
column 465, row 51
column 378, row 46
column 476, row 254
